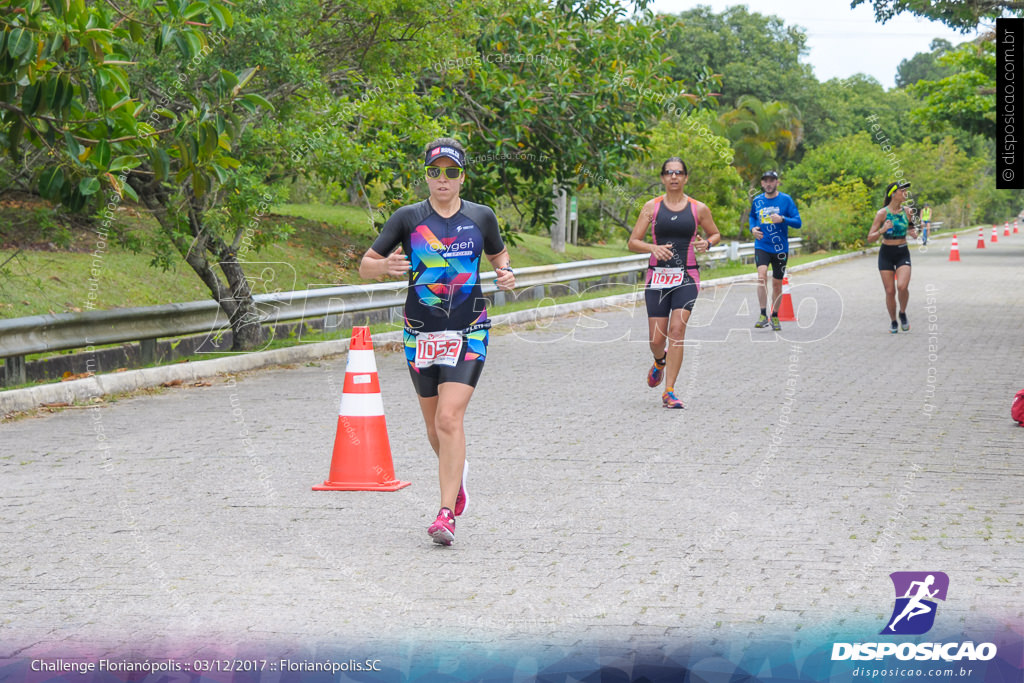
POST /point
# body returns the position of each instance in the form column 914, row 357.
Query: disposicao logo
column 913, row 614
column 916, row 593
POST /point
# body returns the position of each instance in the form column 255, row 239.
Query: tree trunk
column 235, row 298
column 246, row 329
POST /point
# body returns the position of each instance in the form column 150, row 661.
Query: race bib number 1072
column 438, row 348
column 665, row 278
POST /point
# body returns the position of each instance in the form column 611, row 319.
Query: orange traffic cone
column 786, row 313
column 981, row 238
column 1006, row 229
column 995, row 234
column 1015, row 231
column 954, row 250
column 362, row 453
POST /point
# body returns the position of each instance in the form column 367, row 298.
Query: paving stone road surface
column 807, row 466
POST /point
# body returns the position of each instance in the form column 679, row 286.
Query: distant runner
column 673, row 279
column 772, row 214
column 893, row 223
column 446, row 324
column 926, row 220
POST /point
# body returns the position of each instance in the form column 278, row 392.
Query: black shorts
column 661, row 302
column 777, row 261
column 893, row 256
column 466, row 371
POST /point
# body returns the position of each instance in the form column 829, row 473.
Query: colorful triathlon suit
column 445, row 311
column 893, row 256
column 674, row 283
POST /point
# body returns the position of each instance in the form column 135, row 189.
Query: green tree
column 754, row 54
column 855, row 156
column 763, row 135
column 938, row 171
column 609, row 206
column 149, row 103
column 963, row 15
column 837, row 214
column 713, row 178
column 965, row 99
column 361, row 111
column 924, row 65
column 556, row 90
column 66, row 93
column 843, row 107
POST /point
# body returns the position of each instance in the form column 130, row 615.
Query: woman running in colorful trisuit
column 893, row 223
column 446, row 324
column 673, row 279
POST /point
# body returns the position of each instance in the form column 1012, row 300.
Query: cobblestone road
column 808, row 466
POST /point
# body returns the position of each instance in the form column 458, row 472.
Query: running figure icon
column 915, row 607
column 917, row 595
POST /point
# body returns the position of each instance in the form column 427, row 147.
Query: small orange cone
column 362, row 453
column 981, row 238
column 1006, row 229
column 786, row 313
column 1015, row 231
column 954, row 250
column 995, row 234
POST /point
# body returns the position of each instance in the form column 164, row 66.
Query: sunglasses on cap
column 450, row 172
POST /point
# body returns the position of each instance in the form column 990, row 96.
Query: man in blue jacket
column 772, row 214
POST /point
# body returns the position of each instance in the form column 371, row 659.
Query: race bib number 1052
column 438, row 348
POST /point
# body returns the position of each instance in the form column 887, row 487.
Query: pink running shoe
column 443, row 528
column 462, row 500
column 669, row 400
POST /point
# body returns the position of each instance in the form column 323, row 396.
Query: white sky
column 842, row 41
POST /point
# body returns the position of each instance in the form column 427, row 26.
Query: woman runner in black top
column 672, row 277
column 445, row 311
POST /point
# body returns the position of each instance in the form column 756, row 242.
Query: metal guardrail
column 61, row 331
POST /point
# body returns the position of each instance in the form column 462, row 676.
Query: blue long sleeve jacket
column 776, row 235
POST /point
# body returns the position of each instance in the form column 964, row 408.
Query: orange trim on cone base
column 337, row 486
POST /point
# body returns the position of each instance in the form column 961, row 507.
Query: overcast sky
column 843, row 41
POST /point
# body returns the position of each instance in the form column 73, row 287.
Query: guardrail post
column 147, row 351
column 734, row 251
column 14, row 370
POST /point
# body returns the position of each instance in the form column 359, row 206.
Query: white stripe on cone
column 361, row 405
column 361, row 361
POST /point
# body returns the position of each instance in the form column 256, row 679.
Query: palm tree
column 763, row 134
